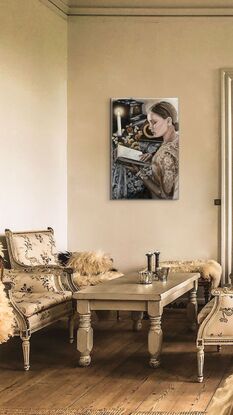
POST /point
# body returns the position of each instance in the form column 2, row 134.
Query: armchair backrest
column 31, row 248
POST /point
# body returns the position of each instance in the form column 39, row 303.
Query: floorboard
column 119, row 376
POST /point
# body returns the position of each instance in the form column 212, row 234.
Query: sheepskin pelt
column 212, row 271
column 83, row 281
column 90, row 263
column 209, row 270
column 6, row 316
column 222, row 402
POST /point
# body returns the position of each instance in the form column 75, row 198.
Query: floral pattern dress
column 165, row 168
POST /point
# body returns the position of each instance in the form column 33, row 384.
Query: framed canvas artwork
column 144, row 148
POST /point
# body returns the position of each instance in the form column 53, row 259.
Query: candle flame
column 119, row 111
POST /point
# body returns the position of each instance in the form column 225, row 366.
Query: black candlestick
column 149, row 261
column 156, row 254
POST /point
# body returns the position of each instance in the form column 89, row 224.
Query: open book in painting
column 129, row 155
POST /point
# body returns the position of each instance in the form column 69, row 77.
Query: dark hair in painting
column 165, row 110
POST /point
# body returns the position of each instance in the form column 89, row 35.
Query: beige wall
column 33, row 118
column 145, row 57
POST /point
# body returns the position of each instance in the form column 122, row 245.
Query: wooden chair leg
column 26, row 351
column 200, row 363
column 71, row 329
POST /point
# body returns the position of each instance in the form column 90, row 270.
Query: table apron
column 122, row 305
column 173, row 296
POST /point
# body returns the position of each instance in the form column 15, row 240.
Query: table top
column 128, row 288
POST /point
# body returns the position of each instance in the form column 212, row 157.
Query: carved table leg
column 137, row 317
column 155, row 337
column 26, row 350
column 85, row 339
column 192, row 307
column 200, row 362
column 71, row 329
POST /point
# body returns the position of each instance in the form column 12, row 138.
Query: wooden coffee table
column 125, row 293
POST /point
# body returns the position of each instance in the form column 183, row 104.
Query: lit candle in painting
column 118, row 124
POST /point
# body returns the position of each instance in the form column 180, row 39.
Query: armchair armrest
column 69, row 282
column 60, row 277
column 29, row 282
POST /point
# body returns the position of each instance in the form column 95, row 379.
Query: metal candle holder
column 149, row 261
column 156, row 254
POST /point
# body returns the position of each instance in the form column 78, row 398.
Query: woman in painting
column 163, row 180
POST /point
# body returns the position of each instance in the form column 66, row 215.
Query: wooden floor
column 119, row 376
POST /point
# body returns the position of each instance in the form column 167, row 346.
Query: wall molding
column 226, row 173
column 63, row 8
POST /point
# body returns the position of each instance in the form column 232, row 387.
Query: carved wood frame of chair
column 217, row 328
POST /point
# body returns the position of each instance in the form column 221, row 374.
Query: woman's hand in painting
column 133, row 168
column 146, row 157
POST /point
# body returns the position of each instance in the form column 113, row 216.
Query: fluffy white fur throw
column 212, row 271
column 209, row 270
column 222, row 402
column 83, row 281
column 6, row 316
column 91, row 268
column 90, row 263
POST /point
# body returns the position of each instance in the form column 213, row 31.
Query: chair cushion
column 30, row 282
column 32, row 303
column 205, row 311
column 36, row 248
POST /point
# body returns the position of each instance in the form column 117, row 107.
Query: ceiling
column 142, row 7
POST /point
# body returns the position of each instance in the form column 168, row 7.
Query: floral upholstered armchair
column 216, row 324
column 41, row 289
column 38, row 300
